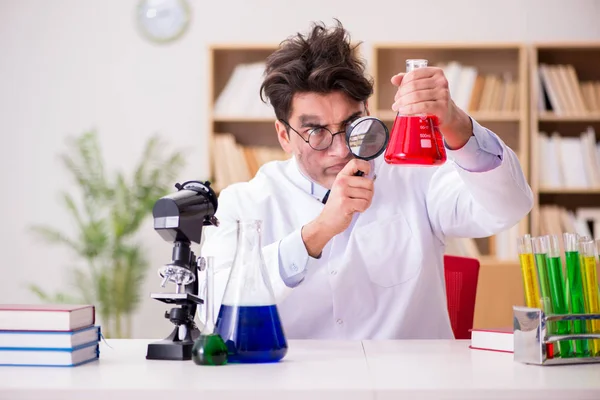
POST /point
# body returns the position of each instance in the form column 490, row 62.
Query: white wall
column 70, row 65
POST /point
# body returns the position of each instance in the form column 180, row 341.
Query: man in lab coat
column 361, row 257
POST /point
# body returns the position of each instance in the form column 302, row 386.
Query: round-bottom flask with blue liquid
column 248, row 319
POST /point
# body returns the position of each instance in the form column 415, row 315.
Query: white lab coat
column 383, row 277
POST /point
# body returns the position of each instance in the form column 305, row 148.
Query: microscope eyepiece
column 180, row 216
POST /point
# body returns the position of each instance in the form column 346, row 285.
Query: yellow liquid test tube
column 528, row 271
column 584, row 281
column 590, row 277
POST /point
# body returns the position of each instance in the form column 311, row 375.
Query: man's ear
column 367, row 107
column 283, row 136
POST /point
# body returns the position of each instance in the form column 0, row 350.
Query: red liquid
column 415, row 141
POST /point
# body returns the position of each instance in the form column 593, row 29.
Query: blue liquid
column 252, row 334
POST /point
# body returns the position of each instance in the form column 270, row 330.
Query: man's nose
column 338, row 146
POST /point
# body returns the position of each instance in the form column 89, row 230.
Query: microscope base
column 169, row 350
column 173, row 349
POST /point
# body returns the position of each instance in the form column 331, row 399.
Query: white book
column 464, row 89
column 49, row 339
column 452, row 71
column 550, row 160
column 573, row 164
column 592, row 163
column 46, row 317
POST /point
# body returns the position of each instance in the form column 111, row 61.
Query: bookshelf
column 565, row 130
column 489, row 81
column 241, row 131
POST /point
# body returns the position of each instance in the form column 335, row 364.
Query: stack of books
column 48, row 335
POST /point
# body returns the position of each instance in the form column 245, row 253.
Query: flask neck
column 413, row 64
column 249, row 236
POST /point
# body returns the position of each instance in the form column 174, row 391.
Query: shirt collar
column 304, row 182
column 308, row 185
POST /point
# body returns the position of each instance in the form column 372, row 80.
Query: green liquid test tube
column 588, row 255
column 575, row 290
column 540, row 251
column 528, row 271
column 557, row 293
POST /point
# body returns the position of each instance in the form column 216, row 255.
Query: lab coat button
column 294, row 268
column 339, row 322
column 333, row 272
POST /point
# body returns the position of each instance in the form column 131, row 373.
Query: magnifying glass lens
column 367, row 138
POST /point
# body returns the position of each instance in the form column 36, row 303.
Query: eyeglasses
column 319, row 138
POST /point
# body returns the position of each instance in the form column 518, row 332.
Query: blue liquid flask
column 248, row 319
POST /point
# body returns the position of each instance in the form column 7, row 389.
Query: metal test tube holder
column 531, row 337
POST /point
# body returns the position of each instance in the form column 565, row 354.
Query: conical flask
column 415, row 139
column 248, row 319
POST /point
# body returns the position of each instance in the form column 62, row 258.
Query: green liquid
column 209, row 350
column 540, row 262
column 576, row 298
column 559, row 303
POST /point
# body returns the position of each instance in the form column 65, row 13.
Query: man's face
column 314, row 110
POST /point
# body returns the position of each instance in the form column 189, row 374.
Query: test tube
column 584, row 282
column 575, row 290
column 588, row 255
column 540, row 251
column 530, row 279
column 557, row 293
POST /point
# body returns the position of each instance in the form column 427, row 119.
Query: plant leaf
column 53, row 236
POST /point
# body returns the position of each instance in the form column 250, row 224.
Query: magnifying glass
column 367, row 138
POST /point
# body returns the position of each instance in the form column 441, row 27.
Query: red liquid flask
column 415, row 139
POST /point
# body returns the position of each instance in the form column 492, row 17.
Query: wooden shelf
column 518, row 128
column 510, row 116
column 551, row 117
column 241, row 119
column 593, row 191
column 571, row 123
column 508, row 61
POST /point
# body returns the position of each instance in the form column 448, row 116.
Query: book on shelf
column 46, row 317
column 240, row 98
column 238, row 163
column 555, row 219
column 473, row 90
column 561, row 91
column 501, row 339
column 569, row 162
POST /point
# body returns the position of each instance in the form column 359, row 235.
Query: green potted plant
column 106, row 214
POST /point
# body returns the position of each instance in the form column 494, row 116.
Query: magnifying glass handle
column 359, row 173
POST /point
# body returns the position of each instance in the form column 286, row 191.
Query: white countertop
column 312, row 370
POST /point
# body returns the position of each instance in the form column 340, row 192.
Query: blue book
column 49, row 339
column 50, row 357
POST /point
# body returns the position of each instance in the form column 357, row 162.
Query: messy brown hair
column 323, row 61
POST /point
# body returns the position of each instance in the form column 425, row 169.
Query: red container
column 414, row 139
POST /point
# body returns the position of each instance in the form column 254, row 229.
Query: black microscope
column 179, row 218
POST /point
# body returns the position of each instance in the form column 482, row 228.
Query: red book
column 46, row 317
column 492, row 339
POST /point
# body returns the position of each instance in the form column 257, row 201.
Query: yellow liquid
column 590, row 278
column 530, row 281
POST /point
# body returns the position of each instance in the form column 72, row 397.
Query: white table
column 312, row 370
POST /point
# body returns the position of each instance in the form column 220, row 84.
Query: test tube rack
column 531, row 337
